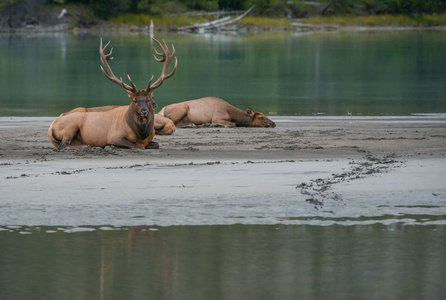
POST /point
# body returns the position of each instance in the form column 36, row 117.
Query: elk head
column 259, row 120
column 142, row 100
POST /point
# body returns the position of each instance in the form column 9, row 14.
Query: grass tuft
column 159, row 21
column 381, row 20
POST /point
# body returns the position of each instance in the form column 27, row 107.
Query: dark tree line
column 16, row 11
column 107, row 8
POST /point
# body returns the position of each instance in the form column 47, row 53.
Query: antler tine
column 148, row 84
column 166, row 58
column 107, row 56
column 173, row 71
column 109, row 73
column 163, row 57
column 131, row 82
column 173, row 51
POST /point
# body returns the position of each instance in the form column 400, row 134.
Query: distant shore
column 252, row 27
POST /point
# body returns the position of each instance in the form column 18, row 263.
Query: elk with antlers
column 124, row 126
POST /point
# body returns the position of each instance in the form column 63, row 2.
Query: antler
column 109, row 74
column 166, row 58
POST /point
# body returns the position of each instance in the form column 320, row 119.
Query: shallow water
column 386, row 73
column 223, row 262
column 378, row 241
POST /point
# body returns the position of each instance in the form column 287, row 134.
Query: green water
column 391, row 73
column 224, row 262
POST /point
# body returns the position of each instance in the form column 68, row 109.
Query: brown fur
column 211, row 110
column 163, row 125
column 116, row 127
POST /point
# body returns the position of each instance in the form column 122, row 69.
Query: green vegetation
column 380, row 20
column 167, row 22
column 163, row 21
column 267, row 22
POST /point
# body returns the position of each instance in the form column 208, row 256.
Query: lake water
column 280, row 74
column 223, row 262
column 390, row 73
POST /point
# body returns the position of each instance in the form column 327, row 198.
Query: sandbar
column 308, row 170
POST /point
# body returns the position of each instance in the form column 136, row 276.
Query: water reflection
column 223, row 262
column 279, row 74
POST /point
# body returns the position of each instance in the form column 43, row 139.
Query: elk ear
column 130, row 94
column 249, row 111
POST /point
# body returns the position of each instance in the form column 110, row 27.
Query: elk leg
column 224, row 124
column 71, row 147
column 153, row 145
column 67, row 138
column 177, row 113
column 64, row 144
column 122, row 143
column 185, row 125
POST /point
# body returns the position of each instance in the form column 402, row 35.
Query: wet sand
column 307, row 170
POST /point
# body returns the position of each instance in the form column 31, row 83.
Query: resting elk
column 211, row 110
column 124, row 126
column 163, row 125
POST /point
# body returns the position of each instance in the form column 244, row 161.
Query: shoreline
column 296, row 27
column 308, row 170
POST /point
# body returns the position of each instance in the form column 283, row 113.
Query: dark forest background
column 15, row 13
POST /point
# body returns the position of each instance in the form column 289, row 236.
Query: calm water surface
column 279, row 74
column 391, row 73
column 224, row 262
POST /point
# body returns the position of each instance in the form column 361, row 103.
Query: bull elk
column 124, row 126
column 211, row 110
column 163, row 125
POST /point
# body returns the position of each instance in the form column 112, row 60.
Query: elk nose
column 274, row 125
column 144, row 111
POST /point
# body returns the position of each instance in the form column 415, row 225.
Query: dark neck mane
column 240, row 117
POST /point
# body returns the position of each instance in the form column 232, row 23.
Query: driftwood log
column 216, row 25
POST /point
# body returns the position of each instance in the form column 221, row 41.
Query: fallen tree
column 216, row 25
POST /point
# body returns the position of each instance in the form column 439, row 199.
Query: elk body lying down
column 125, row 126
column 163, row 125
column 118, row 127
column 211, row 110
